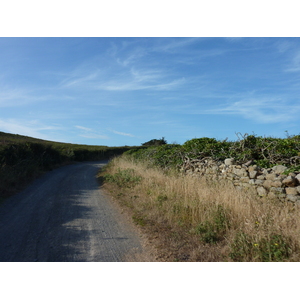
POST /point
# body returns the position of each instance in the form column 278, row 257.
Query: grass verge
column 191, row 219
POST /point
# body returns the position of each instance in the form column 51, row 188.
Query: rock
column 276, row 190
column 248, row 163
column 261, row 191
column 215, row 169
column 229, row 161
column 276, row 183
column 245, row 184
column 291, row 191
column 279, row 169
column 244, row 179
column 240, row 172
column 271, row 176
column 298, row 177
column 253, row 168
column 252, row 174
column 272, row 195
column 293, row 198
column 267, row 184
column 290, row 181
column 258, row 182
column 261, row 177
column 298, row 189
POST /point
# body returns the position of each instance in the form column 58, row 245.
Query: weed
column 161, row 198
column 139, row 220
column 215, row 229
column 242, row 247
column 208, row 232
column 274, row 248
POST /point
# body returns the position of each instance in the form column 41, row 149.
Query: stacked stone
column 268, row 182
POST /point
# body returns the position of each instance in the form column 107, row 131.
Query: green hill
column 23, row 158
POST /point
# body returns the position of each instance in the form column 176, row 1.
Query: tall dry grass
column 231, row 224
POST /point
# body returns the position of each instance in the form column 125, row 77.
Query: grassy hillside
column 24, row 158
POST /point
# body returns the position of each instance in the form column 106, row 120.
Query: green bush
column 274, row 248
column 264, row 151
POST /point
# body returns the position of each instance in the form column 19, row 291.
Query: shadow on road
column 62, row 217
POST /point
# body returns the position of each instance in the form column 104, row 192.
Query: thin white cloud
column 12, row 97
column 133, row 57
column 26, row 128
column 83, row 128
column 80, row 79
column 126, row 80
column 134, row 86
column 283, row 45
column 294, row 65
column 122, row 133
column 89, row 133
column 142, row 79
column 260, row 110
column 94, row 136
column 171, row 45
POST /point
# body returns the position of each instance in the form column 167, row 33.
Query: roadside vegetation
column 264, row 151
column 24, row 158
column 193, row 219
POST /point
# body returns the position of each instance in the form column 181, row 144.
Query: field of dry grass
column 191, row 219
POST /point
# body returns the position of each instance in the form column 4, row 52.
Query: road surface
column 65, row 217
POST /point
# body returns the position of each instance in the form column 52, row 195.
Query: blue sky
column 126, row 91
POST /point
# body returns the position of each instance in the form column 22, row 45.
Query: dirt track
column 65, row 217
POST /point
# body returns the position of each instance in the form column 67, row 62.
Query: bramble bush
column 264, row 151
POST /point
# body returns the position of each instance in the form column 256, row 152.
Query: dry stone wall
column 268, row 182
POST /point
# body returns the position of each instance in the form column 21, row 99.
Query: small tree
column 155, row 142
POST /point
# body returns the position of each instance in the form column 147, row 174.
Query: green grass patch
column 214, row 229
column 274, row 248
column 126, row 178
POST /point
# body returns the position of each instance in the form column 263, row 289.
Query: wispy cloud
column 294, row 65
column 83, row 128
column 176, row 44
column 94, row 136
column 79, row 79
column 134, row 56
column 122, row 133
column 283, row 45
column 28, row 128
column 123, row 79
column 143, row 79
column 134, row 85
column 11, row 97
column 90, row 133
column 260, row 110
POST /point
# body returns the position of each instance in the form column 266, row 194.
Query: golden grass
column 197, row 220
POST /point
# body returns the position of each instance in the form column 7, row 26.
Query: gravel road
column 65, row 217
